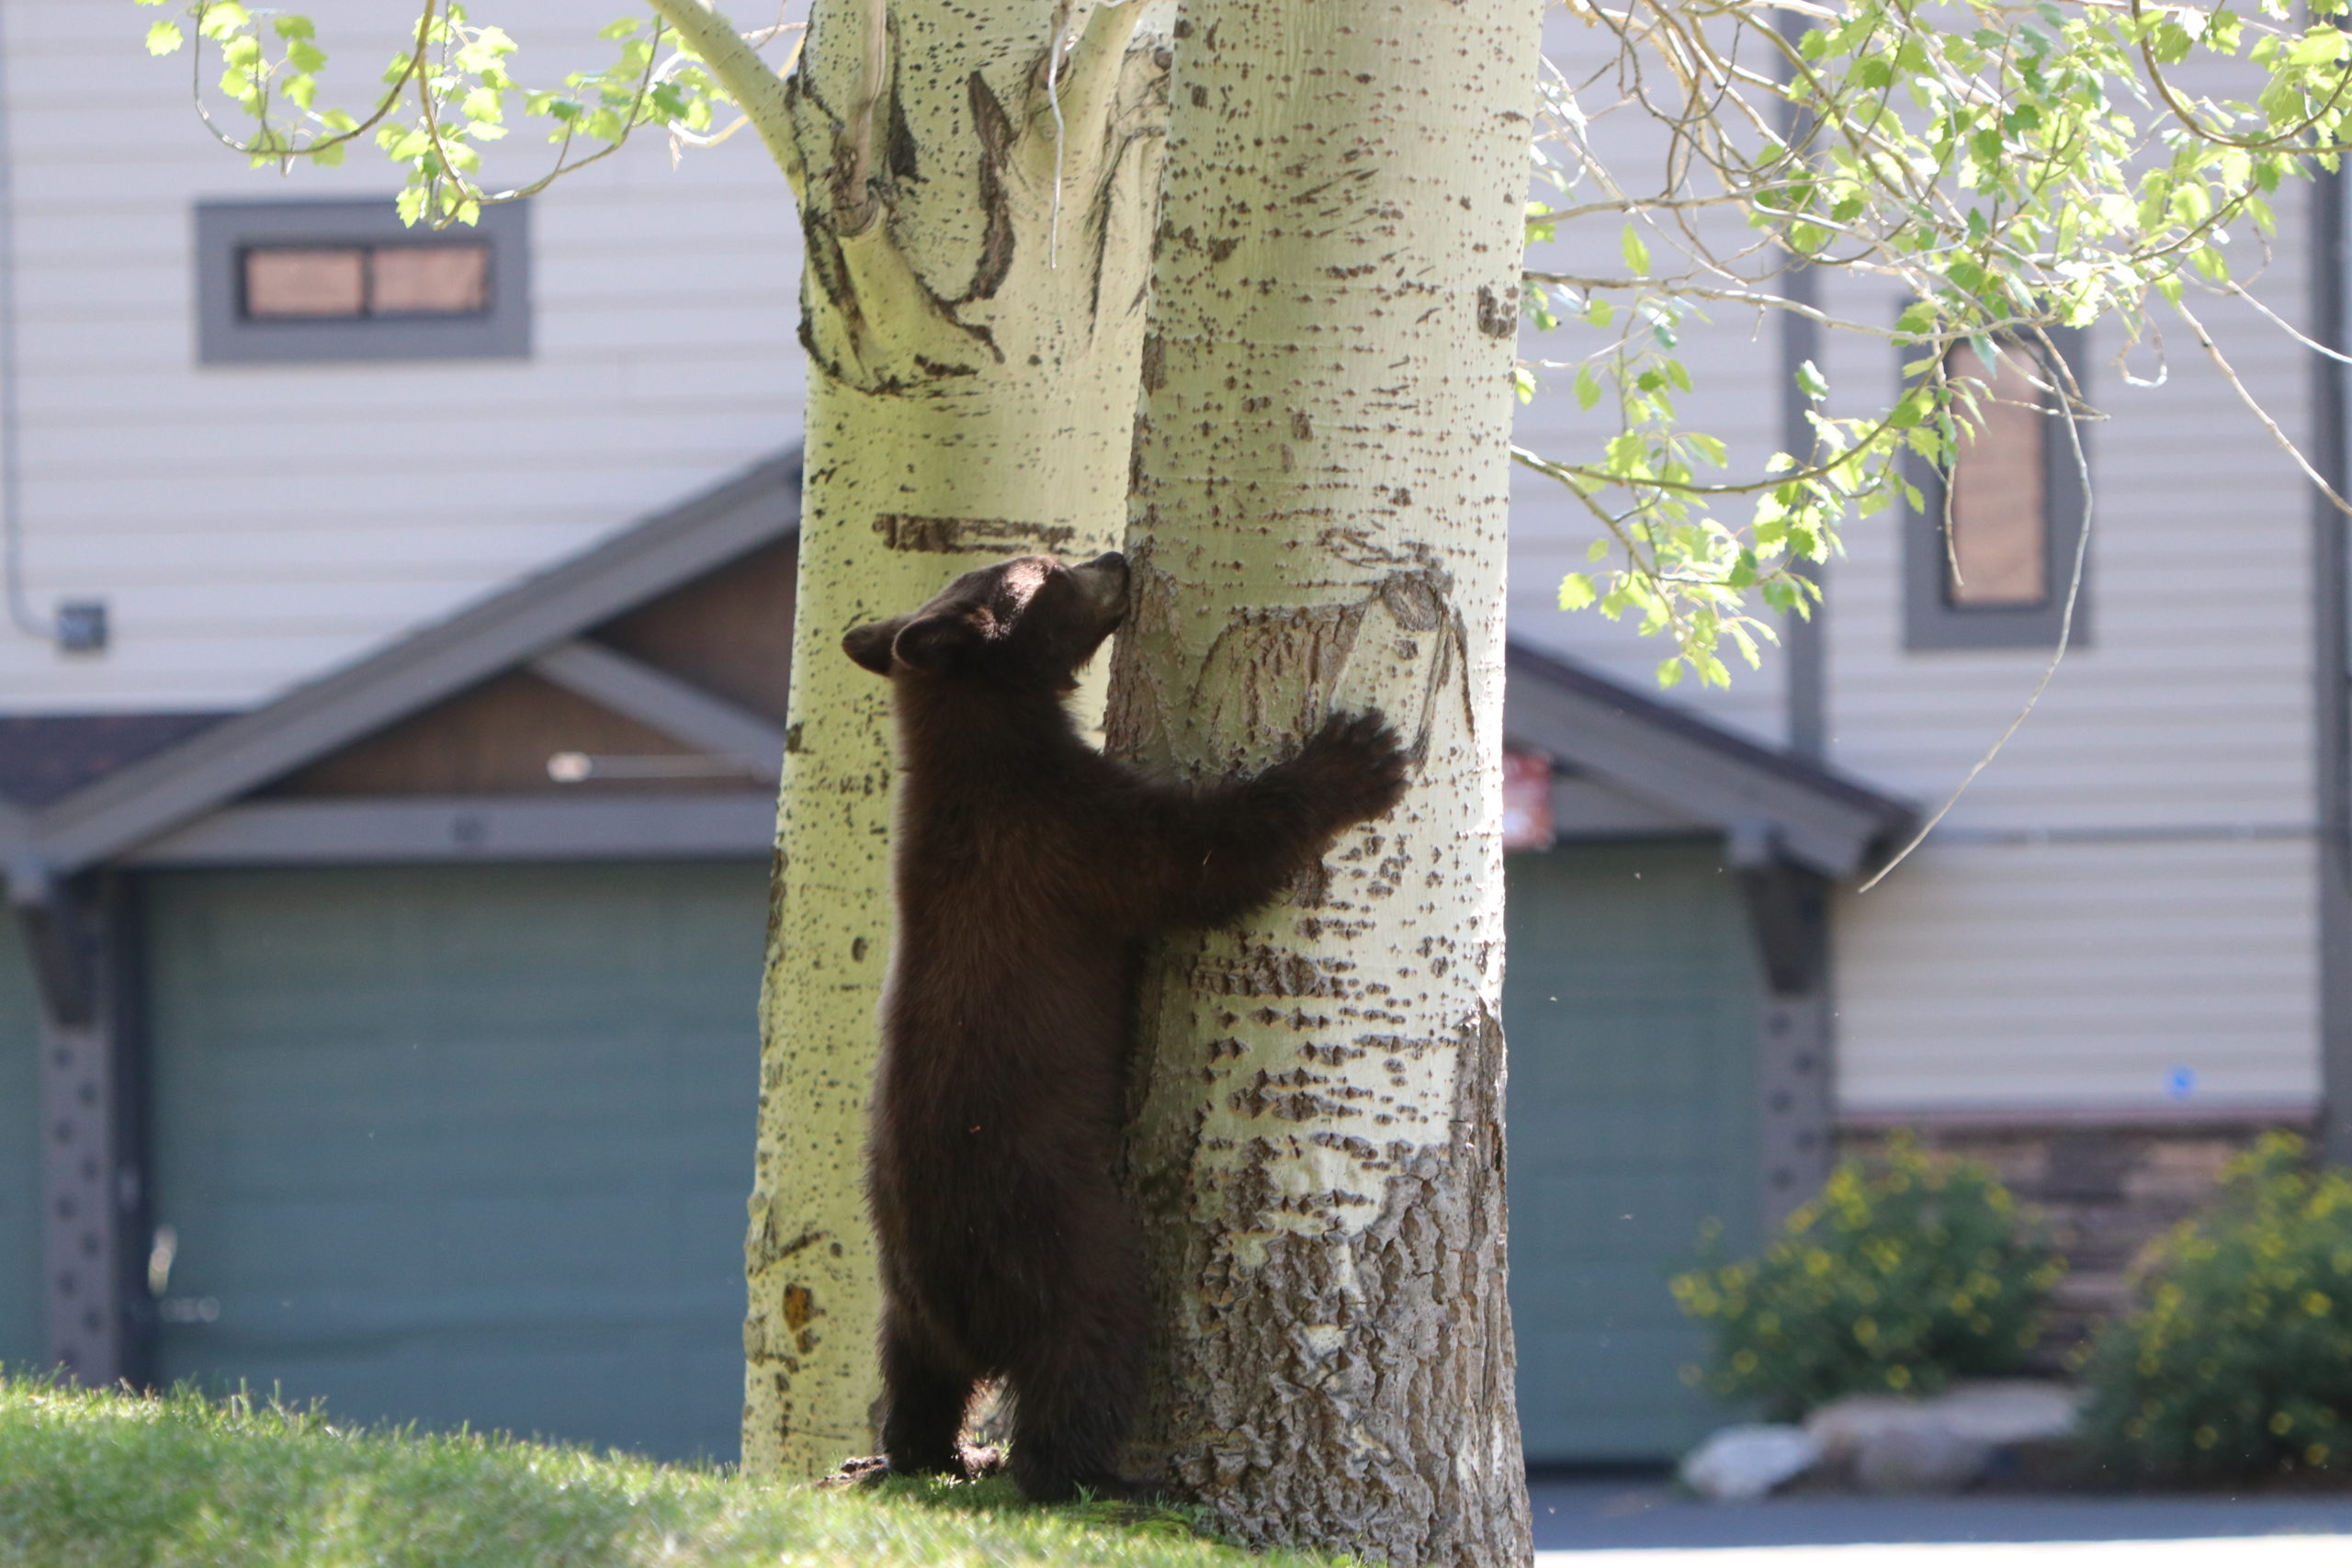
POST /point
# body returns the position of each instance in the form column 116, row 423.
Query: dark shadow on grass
column 999, row 1494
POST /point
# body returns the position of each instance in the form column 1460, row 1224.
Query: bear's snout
column 1103, row 581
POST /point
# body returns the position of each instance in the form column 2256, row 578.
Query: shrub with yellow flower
column 1905, row 1273
column 2237, row 1361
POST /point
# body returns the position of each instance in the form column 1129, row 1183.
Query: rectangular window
column 1990, row 554
column 323, row 281
column 309, row 283
column 1999, row 520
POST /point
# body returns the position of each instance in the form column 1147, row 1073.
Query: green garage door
column 461, row 1144
column 1629, row 1008
column 22, row 1339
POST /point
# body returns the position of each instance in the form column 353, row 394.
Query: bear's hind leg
column 1076, row 1381
column 924, row 1401
column 1070, row 1415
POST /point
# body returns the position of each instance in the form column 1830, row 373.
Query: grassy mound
column 113, row 1480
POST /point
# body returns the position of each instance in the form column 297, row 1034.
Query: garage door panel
column 1630, row 1009
column 466, row 1144
column 24, row 1340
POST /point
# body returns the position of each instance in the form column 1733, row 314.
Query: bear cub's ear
column 870, row 644
column 931, row 643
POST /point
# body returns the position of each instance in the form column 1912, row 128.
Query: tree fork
column 967, row 401
column 1318, row 524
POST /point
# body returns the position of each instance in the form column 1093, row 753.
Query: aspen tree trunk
column 973, row 314
column 1319, row 523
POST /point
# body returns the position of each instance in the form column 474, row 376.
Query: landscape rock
column 1920, row 1457
column 1888, row 1443
column 1740, row 1464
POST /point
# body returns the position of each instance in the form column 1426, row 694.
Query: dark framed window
column 317, row 282
column 1989, row 555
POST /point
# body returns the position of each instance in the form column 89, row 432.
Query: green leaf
column 1638, row 255
column 1576, row 591
column 164, row 38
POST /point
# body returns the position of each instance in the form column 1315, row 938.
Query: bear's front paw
column 1353, row 767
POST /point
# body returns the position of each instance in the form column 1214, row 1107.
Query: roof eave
column 173, row 786
column 1820, row 819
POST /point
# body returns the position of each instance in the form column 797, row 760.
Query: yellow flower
column 1744, row 1362
column 2207, row 1436
column 1865, row 1329
column 2317, row 1304
column 2281, row 1423
column 2316, row 1455
column 1898, row 1377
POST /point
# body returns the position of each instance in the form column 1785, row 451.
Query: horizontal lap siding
column 1736, row 371
column 1993, row 973
column 1991, row 977
column 2070, row 976
column 251, row 526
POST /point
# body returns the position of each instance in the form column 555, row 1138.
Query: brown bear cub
column 1029, row 869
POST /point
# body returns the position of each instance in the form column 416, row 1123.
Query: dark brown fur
column 1029, row 870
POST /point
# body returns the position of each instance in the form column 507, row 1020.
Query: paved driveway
column 2248, row 1552
column 1635, row 1524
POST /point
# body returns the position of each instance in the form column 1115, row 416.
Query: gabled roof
column 77, row 791
column 1687, row 770
column 46, row 757
column 215, row 764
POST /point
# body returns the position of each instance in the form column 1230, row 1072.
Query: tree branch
column 749, row 80
column 1092, row 73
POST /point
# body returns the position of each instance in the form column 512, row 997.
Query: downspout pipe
column 2332, row 657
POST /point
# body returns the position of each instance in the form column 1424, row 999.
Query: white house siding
column 252, row 526
column 2169, row 921
column 1734, row 364
column 1992, row 971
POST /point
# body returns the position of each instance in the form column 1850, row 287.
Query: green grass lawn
column 112, row 1481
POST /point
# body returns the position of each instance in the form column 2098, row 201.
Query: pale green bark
column 970, row 398
column 1318, row 524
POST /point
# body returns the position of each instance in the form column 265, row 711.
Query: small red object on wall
column 1527, row 801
